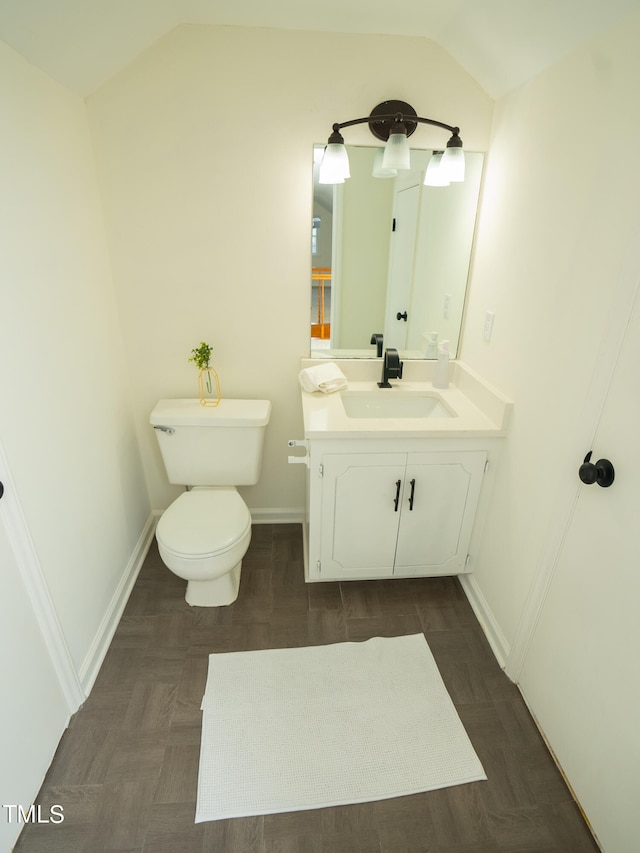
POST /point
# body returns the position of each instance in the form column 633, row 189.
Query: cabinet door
column 360, row 513
column 441, row 494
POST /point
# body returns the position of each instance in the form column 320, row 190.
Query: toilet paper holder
column 299, row 460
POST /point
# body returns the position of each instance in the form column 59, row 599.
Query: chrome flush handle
column 169, row 430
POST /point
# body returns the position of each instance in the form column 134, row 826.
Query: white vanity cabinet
column 391, row 512
column 396, row 488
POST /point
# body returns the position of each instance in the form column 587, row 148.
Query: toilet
column 204, row 534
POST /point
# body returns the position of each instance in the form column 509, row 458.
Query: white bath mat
column 303, row 728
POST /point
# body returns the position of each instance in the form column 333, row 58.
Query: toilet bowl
column 202, row 537
column 204, row 534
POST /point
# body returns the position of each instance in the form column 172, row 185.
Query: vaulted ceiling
column 500, row 43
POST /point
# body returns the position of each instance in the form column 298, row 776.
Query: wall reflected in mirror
column 390, row 256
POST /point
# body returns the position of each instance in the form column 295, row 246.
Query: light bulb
column 397, row 154
column 378, row 170
column 452, row 164
column 334, row 168
column 434, row 175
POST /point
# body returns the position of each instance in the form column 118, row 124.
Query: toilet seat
column 204, row 523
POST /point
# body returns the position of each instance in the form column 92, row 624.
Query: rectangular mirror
column 390, row 256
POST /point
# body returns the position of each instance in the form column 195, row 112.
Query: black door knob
column 601, row 473
column 402, row 316
column 1, row 489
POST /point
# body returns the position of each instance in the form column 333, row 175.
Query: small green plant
column 201, row 355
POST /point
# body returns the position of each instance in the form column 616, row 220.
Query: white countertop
column 480, row 410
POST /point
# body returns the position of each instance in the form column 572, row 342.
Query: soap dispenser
column 441, row 375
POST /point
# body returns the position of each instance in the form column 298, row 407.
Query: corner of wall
column 489, row 624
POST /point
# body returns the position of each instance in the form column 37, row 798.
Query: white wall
column 561, row 185
column 65, row 413
column 204, row 149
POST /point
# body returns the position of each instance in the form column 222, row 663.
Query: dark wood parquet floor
column 126, row 769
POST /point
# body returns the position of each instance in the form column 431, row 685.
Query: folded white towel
column 323, row 377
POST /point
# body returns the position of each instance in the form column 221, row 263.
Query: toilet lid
column 203, row 522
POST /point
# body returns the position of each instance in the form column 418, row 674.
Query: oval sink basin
column 387, row 404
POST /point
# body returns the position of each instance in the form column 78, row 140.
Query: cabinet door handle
column 397, row 499
column 413, row 489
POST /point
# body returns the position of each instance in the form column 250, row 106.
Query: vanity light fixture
column 392, row 122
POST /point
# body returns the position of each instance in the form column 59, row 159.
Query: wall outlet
column 488, row 325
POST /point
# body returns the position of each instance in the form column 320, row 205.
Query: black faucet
column 376, row 339
column 391, row 368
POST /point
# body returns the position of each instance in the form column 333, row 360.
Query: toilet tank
column 211, row 445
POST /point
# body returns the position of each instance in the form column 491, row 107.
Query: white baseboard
column 279, row 515
column 487, row 620
column 100, row 645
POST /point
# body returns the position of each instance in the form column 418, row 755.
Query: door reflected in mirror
column 390, row 256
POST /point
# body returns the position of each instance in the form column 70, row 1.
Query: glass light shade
column 334, row 168
column 452, row 164
column 397, row 154
column 378, row 170
column 434, row 175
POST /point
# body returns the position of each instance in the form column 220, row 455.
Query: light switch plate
column 488, row 325
column 447, row 306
